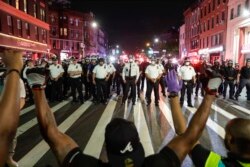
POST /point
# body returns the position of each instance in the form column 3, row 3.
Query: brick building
column 213, row 28
column 23, row 25
column 66, row 33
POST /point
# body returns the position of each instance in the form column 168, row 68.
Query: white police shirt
column 101, row 71
column 153, row 71
column 186, row 72
column 56, row 70
column 75, row 68
column 111, row 68
column 161, row 67
column 134, row 70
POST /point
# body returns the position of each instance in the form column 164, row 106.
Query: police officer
column 244, row 80
column 230, row 75
column 66, row 79
column 200, row 76
column 90, row 77
column 130, row 76
column 162, row 82
column 138, row 84
column 29, row 64
column 100, row 77
column 118, row 77
column 187, row 74
column 85, row 80
column 75, row 71
column 153, row 74
column 56, row 73
column 111, row 70
column 219, row 69
column 143, row 67
column 237, row 68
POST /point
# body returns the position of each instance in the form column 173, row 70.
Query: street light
column 142, row 50
column 117, row 46
column 148, row 44
column 156, row 40
column 94, row 24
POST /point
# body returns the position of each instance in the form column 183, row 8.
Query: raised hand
column 174, row 85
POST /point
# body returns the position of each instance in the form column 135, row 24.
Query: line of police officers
column 98, row 77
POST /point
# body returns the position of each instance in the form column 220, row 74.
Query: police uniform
column 153, row 73
column 101, row 73
column 111, row 70
column 118, row 78
column 230, row 74
column 85, row 80
column 162, row 81
column 143, row 67
column 200, row 76
column 56, row 72
column 130, row 75
column 75, row 80
column 219, row 69
column 187, row 74
column 244, row 81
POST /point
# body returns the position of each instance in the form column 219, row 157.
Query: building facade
column 182, row 47
column 213, row 29
column 238, row 31
column 23, row 25
column 192, row 30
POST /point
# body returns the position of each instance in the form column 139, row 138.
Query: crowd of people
column 121, row 137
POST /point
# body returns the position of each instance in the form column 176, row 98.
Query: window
column 53, row 19
column 209, row 8
column 10, row 25
column 247, row 4
column 25, row 6
column 0, row 24
column 61, row 31
column 19, row 27
column 218, row 2
column 238, row 10
column 212, row 22
column 44, row 36
column 217, row 19
column 42, row 14
column 208, row 24
column 214, row 3
column 77, row 22
column 65, row 32
column 36, row 33
column 207, row 41
column 205, row 11
column 232, row 14
column 54, row 44
column 201, row 13
column 35, row 10
column 71, row 33
column 85, row 24
column 71, row 21
column 53, row 31
column 77, row 35
column 17, row 4
column 27, row 29
column 9, row 2
column 224, row 1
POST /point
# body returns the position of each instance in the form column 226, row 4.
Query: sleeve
column 80, row 67
column 194, row 73
column 69, row 68
column 179, row 71
column 204, row 158
column 61, row 69
column 123, row 72
column 94, row 70
column 22, row 89
column 137, row 72
column 76, row 158
column 146, row 71
column 166, row 157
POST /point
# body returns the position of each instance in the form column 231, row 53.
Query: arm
column 137, row 73
column 9, row 103
column 60, row 143
column 123, row 74
column 183, row 144
column 93, row 78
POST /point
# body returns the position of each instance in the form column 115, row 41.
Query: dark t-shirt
column 165, row 158
column 245, row 72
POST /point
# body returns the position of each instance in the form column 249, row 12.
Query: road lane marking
column 95, row 143
column 241, row 109
column 168, row 114
column 26, row 110
column 142, row 128
column 35, row 154
column 25, row 127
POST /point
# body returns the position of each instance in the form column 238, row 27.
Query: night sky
column 131, row 23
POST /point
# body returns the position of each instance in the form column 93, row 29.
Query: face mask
column 153, row 62
column 50, row 62
column 187, row 63
column 130, row 60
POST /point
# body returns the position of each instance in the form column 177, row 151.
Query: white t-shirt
column 153, row 71
column 22, row 89
column 74, row 68
column 186, row 72
column 101, row 71
column 55, row 70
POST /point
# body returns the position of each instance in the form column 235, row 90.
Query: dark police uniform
column 85, row 80
column 112, row 71
column 130, row 75
column 162, row 80
column 244, row 81
column 230, row 74
column 118, row 78
column 200, row 76
column 143, row 67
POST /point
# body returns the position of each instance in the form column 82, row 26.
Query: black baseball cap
column 123, row 144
